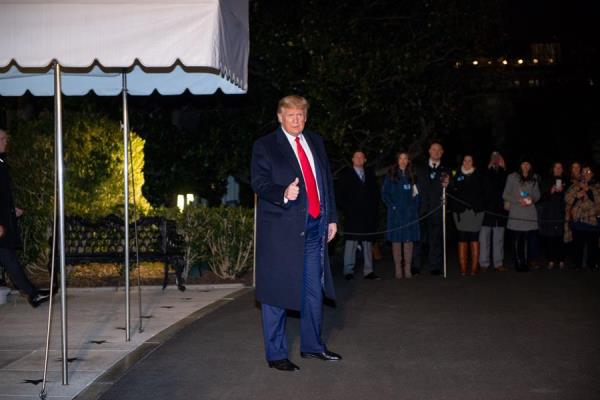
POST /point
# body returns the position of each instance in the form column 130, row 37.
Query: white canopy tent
column 72, row 47
column 199, row 45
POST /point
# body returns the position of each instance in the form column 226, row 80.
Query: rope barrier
column 507, row 217
column 396, row 228
column 464, row 203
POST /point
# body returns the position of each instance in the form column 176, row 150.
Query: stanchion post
column 254, row 244
column 444, row 228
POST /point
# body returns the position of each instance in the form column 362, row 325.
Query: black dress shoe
column 372, row 276
column 46, row 292
column 325, row 356
column 436, row 272
column 283, row 365
column 348, row 277
column 37, row 299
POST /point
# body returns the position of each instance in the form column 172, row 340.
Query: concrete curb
column 99, row 386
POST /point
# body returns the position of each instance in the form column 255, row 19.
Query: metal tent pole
column 444, row 228
column 135, row 236
column 61, row 218
column 43, row 392
column 126, row 207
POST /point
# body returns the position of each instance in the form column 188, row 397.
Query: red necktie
column 314, row 207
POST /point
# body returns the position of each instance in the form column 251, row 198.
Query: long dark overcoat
column 280, row 226
column 8, row 219
column 358, row 202
column 494, row 180
column 429, row 182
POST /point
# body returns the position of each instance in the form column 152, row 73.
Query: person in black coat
column 295, row 219
column 491, row 236
column 551, row 213
column 466, row 204
column 431, row 179
column 10, row 238
column 358, row 200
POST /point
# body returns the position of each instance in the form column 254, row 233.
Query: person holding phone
column 583, row 218
column 551, row 215
column 521, row 192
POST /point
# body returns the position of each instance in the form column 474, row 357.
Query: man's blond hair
column 293, row 101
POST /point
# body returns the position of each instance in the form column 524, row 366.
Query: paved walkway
column 495, row 336
column 96, row 335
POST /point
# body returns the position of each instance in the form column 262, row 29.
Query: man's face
column 359, row 159
column 575, row 169
column 292, row 120
column 3, row 141
column 436, row 151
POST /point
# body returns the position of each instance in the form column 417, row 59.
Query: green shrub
column 191, row 225
column 229, row 236
column 221, row 236
column 93, row 155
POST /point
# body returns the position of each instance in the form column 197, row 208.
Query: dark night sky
column 572, row 23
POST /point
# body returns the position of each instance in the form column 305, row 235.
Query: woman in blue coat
column 401, row 198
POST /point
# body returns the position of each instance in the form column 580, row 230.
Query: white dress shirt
column 434, row 164
column 361, row 173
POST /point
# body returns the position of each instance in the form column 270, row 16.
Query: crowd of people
column 550, row 220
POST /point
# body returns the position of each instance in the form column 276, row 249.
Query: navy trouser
column 432, row 237
column 311, row 314
column 8, row 259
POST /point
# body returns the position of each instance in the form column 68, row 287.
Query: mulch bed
column 151, row 274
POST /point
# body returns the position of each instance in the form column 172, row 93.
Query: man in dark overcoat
column 431, row 179
column 358, row 200
column 296, row 217
column 10, row 238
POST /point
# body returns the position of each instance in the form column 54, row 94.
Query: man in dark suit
column 358, row 199
column 296, row 218
column 10, row 239
column 431, row 178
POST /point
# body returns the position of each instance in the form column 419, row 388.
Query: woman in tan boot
column 466, row 201
column 401, row 197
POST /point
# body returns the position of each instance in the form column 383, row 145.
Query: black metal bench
column 103, row 241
